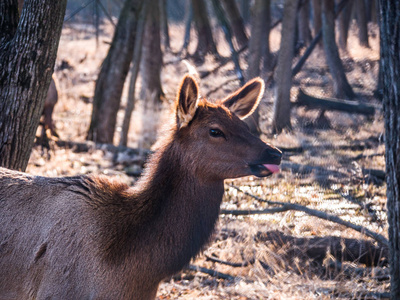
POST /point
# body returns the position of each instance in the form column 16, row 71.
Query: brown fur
column 89, row 237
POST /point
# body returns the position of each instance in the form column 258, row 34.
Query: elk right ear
column 187, row 99
column 245, row 100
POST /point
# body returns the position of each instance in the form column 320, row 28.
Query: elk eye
column 214, row 132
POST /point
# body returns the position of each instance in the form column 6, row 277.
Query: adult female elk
column 90, row 238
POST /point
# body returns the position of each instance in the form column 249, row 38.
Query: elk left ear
column 186, row 103
column 245, row 100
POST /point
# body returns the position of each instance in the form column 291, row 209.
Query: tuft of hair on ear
column 245, row 100
column 187, row 100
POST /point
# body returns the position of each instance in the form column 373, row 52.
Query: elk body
column 88, row 237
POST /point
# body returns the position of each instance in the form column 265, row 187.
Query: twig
column 316, row 213
column 223, row 63
column 235, row 265
column 245, row 212
column 210, row 272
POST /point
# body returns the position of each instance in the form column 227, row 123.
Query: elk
column 89, row 237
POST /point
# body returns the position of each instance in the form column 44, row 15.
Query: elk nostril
column 273, row 155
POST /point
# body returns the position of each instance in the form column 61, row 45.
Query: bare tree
column 344, row 24
column 113, row 72
column 258, row 27
column 317, row 16
column 390, row 45
column 28, row 49
column 236, row 21
column 283, row 74
column 205, row 42
column 342, row 88
column 304, row 37
column 266, row 49
column 362, row 22
column 164, row 23
column 151, row 61
column 135, row 66
column 188, row 25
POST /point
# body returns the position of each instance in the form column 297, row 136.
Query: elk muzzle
column 268, row 163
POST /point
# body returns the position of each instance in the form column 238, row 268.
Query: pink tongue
column 272, row 168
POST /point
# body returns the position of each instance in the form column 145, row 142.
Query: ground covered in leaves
column 278, row 252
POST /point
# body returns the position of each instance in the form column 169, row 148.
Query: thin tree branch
column 210, row 272
column 235, row 265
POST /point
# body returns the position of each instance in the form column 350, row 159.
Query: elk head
column 215, row 140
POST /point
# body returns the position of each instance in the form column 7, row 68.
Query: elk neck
column 174, row 211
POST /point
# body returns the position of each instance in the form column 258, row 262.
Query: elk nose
column 273, row 155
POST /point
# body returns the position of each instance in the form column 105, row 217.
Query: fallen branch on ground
column 210, row 272
column 304, row 99
column 235, row 265
column 312, row 212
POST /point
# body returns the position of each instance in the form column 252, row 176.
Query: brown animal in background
column 88, row 237
column 50, row 102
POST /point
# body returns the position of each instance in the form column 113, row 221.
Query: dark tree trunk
column 164, row 23
column 236, row 22
column 28, row 49
column 258, row 27
column 115, row 67
column 266, row 50
column 220, row 14
column 304, row 37
column 151, row 61
column 341, row 87
column 317, row 17
column 362, row 22
column 390, row 45
column 344, row 24
column 283, row 74
column 245, row 10
column 188, row 25
column 205, row 42
column 135, row 65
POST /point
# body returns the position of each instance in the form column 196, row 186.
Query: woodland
column 321, row 228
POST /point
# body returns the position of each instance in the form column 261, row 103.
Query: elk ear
column 186, row 103
column 245, row 100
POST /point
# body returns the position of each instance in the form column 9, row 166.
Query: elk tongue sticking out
column 272, row 168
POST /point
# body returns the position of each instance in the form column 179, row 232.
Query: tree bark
column 390, row 49
column 188, row 25
column 344, row 24
column 28, row 49
column 304, row 37
column 151, row 61
column 283, row 74
column 110, row 82
column 341, row 87
column 164, row 23
column 266, row 49
column 135, row 65
column 362, row 22
column 317, row 17
column 258, row 27
column 333, row 104
column 236, row 22
column 205, row 41
column 219, row 13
